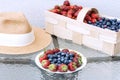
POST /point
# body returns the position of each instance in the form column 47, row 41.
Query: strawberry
column 88, row 18
column 63, row 68
column 77, row 61
column 56, row 50
column 77, row 56
column 64, row 13
column 57, row 7
column 93, row 20
column 52, row 67
column 64, row 8
column 45, row 63
column 65, row 50
column 71, row 7
column 80, row 7
column 94, row 15
column 69, row 15
column 77, row 12
column 72, row 66
column 56, row 11
column 43, row 57
column 72, row 52
column 49, row 52
column 66, row 2
column 71, row 11
column 75, row 7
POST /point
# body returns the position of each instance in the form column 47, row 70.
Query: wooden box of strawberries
column 84, row 26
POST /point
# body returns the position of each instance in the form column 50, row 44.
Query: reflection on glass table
column 99, row 67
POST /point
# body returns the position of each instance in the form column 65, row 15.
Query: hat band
column 16, row 40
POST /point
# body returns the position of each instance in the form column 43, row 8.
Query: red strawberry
column 69, row 15
column 72, row 66
column 49, row 52
column 71, row 7
column 66, row 2
column 64, row 8
column 94, row 15
column 63, row 68
column 88, row 18
column 77, row 61
column 80, row 7
column 71, row 11
column 56, row 50
column 52, row 67
column 57, row 7
column 64, row 13
column 77, row 12
column 65, row 50
column 45, row 63
column 77, row 56
column 75, row 7
column 72, row 52
column 43, row 57
column 93, row 20
column 56, row 10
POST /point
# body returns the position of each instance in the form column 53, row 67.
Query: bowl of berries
column 60, row 61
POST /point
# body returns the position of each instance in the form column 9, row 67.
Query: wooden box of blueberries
column 84, row 26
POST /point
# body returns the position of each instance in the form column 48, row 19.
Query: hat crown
column 14, row 23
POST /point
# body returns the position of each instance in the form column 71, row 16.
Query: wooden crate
column 81, row 33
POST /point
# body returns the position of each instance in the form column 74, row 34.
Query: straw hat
column 18, row 37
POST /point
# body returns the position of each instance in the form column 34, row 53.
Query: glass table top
column 100, row 66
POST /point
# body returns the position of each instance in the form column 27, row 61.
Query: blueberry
column 62, row 57
column 115, row 20
column 59, row 58
column 55, row 56
column 66, row 58
column 59, row 53
column 65, row 62
column 104, row 22
column 119, row 26
column 108, row 23
column 71, row 58
column 118, row 22
column 59, row 62
column 63, row 54
column 112, row 27
column 101, row 21
column 113, row 23
column 104, row 26
column 103, row 18
column 67, row 55
column 69, row 61
column 62, row 60
column 50, row 59
column 49, row 56
column 71, row 55
column 54, row 60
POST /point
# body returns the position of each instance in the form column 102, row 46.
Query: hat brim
column 42, row 40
